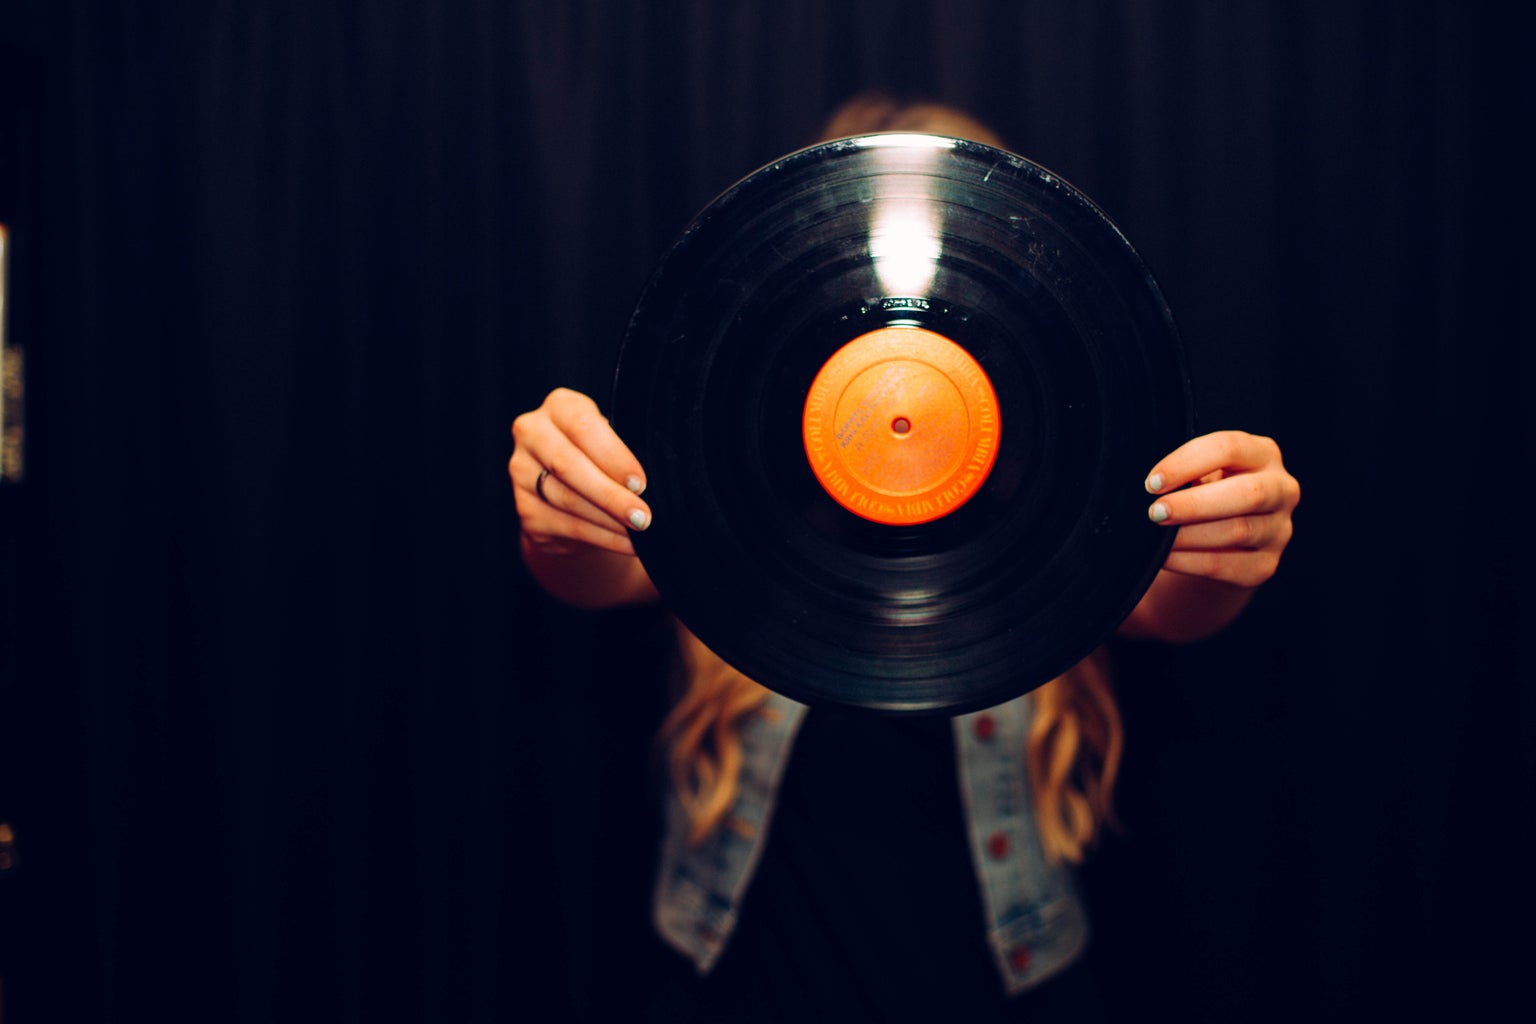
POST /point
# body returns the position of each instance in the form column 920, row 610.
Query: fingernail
column 1155, row 483
column 639, row 520
column 1157, row 513
column 635, row 484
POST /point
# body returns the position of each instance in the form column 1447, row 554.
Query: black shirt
column 865, row 906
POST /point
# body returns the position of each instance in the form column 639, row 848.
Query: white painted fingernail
column 1155, row 483
column 635, row 484
column 1157, row 513
column 639, row 520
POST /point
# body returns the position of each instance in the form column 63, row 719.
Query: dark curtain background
column 286, row 732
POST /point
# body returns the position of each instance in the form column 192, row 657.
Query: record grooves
column 895, row 397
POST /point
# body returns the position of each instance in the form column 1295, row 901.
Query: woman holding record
column 899, row 880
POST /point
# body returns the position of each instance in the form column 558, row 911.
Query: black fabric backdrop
column 288, row 735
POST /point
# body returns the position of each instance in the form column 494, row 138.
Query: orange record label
column 901, row 426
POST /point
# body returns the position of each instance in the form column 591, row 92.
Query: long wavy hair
column 1072, row 753
column 1073, row 749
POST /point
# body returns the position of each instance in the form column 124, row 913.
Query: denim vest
column 1035, row 922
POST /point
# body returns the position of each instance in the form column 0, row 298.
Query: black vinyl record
column 1038, row 337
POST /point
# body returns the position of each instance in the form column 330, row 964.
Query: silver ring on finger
column 538, row 485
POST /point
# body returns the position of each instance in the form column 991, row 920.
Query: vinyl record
column 895, row 397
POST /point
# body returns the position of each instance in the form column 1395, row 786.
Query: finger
column 559, row 495
column 578, row 418
column 548, row 524
column 542, row 444
column 1245, row 494
column 552, row 528
column 578, row 486
column 1226, row 451
column 1239, row 533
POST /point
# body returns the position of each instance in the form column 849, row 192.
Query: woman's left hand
column 1234, row 518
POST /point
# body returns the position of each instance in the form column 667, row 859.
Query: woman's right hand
column 591, row 482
